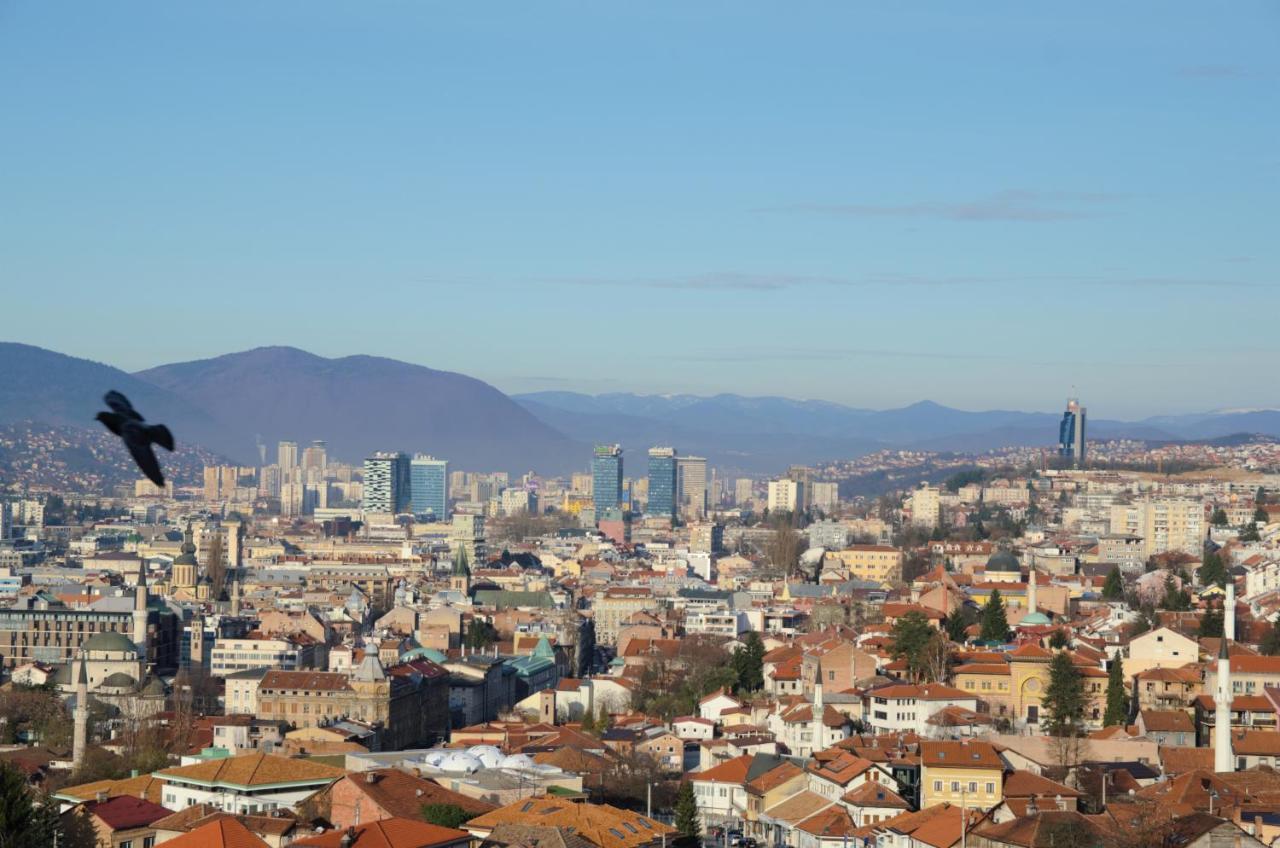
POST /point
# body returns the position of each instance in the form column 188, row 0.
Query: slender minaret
column 1031, row 590
column 80, row 715
column 819, row 711
column 1229, row 611
column 1222, row 759
column 140, row 613
column 235, row 594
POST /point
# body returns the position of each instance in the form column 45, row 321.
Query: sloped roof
column 390, row 833
column 221, row 833
column 402, row 794
column 125, row 811
column 253, row 770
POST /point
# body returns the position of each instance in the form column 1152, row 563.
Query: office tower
column 287, row 457
column 316, row 455
column 1071, row 433
column 691, row 480
column 386, row 482
column 606, row 478
column 429, row 486
column 467, row 533
column 662, row 483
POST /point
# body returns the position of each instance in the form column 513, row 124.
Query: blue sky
column 980, row 204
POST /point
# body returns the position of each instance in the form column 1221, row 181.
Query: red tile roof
column 390, row 833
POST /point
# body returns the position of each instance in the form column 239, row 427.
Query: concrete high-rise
column 1071, row 444
column 606, row 478
column 386, row 483
column 287, row 456
column 691, row 481
column 662, row 483
column 316, row 455
column 429, row 486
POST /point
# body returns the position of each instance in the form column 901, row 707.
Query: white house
column 711, row 706
column 693, row 728
column 908, row 707
column 721, row 791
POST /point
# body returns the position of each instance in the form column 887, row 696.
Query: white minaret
column 1031, row 590
column 140, row 613
column 1229, row 611
column 1222, row 758
column 235, row 594
column 80, row 715
column 819, row 711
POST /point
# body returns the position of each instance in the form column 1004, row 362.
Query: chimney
column 348, row 839
column 418, row 792
column 370, row 777
column 101, row 796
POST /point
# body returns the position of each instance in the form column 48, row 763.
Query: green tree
column 480, row 634
column 1211, row 624
column 1175, row 599
column 686, row 819
column 1212, row 571
column 1059, row 639
column 1218, row 518
column 23, row 823
column 1113, row 588
column 1249, row 533
column 995, row 621
column 446, row 815
column 1117, row 695
column 748, row 663
column 958, row 623
column 1270, row 644
column 911, row 633
column 1261, row 515
column 1064, row 699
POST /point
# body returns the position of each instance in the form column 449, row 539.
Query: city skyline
column 919, row 196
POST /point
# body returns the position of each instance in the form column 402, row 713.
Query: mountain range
column 359, row 404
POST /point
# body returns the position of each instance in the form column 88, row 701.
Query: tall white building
column 287, row 456
column 786, row 495
column 926, row 506
column 1165, row 524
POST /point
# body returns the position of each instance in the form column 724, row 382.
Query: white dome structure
column 461, row 761
column 486, row 754
column 517, row 761
column 435, row 758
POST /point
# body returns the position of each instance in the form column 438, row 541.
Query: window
column 973, row 787
column 991, row 789
column 937, row 786
column 955, row 786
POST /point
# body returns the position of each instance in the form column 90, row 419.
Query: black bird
column 138, row 436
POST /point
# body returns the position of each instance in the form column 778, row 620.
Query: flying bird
column 138, row 436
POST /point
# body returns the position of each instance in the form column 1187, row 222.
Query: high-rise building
column 825, row 496
column 691, row 481
column 786, row 496
column 662, row 483
column 287, row 456
column 220, row 482
column 429, row 486
column 742, row 490
column 1071, row 445
column 316, row 455
column 386, row 482
column 926, row 506
column 606, row 478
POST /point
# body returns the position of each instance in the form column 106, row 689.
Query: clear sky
column 983, row 204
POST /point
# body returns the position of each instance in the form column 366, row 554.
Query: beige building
column 617, row 605
column 878, row 563
column 1166, row 524
column 1160, row 648
column 925, row 505
column 785, row 495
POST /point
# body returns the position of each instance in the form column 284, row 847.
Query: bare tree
column 215, row 566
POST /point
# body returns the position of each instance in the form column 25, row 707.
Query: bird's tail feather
column 161, row 436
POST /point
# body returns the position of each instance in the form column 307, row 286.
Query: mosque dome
column 109, row 641
column 1003, row 561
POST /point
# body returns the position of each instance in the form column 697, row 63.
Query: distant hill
column 43, row 387
column 361, row 404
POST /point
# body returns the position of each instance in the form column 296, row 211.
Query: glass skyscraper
column 429, row 486
column 1071, row 444
column 606, row 478
column 662, row 483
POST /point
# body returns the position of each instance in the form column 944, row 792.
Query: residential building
column 386, row 483
column 785, row 495
column 926, row 506
column 877, row 563
column 247, row 784
column 965, row 773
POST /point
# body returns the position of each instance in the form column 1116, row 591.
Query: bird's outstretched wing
column 111, row 421
column 161, row 436
column 146, row 459
column 120, row 404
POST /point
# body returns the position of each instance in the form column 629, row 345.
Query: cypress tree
column 1064, row 699
column 1117, row 695
column 687, row 822
column 1113, row 589
column 995, row 621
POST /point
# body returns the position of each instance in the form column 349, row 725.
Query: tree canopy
column 1064, row 698
column 1113, row 588
column 1117, row 696
column 995, row 620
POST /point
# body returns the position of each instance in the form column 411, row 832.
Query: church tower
column 185, row 565
column 1222, row 757
column 80, row 715
column 460, row 579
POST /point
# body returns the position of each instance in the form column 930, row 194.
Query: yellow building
column 877, row 563
column 964, row 773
